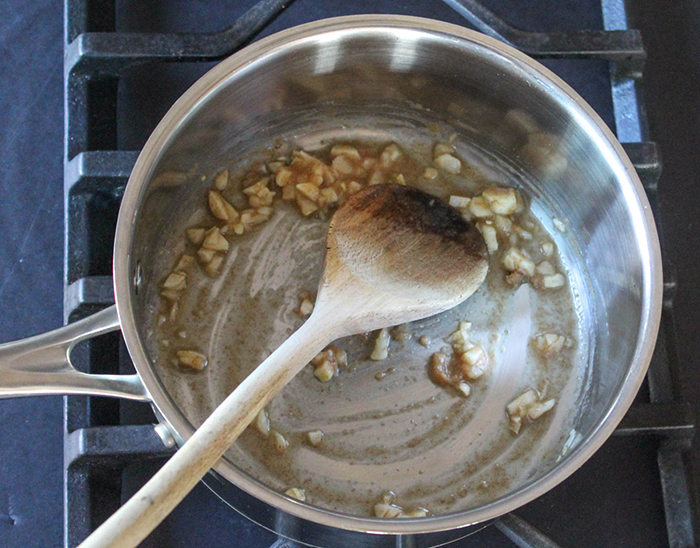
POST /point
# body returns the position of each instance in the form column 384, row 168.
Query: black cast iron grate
column 97, row 440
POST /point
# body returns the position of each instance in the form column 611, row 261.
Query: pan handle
column 41, row 365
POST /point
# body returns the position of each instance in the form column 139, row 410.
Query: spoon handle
column 141, row 514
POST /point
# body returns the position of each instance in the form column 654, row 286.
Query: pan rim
column 198, row 94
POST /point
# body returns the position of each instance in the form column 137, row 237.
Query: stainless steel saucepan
column 379, row 76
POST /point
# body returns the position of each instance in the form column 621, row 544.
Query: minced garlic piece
column 381, row 346
column 306, row 307
column 547, row 249
column 213, row 266
column 345, row 150
column 387, row 508
column 221, row 180
column 546, row 268
column 490, row 236
column 460, row 202
column 558, row 224
column 176, row 281
column 214, row 240
column 474, row 362
column 480, row 208
column 184, row 263
column 315, row 437
column 464, row 389
column 383, row 510
column 553, row 281
column 220, row 208
column 262, row 422
column 459, row 339
column 527, row 404
column 515, row 260
column 327, row 363
column 448, row 163
column 548, row 344
column 296, row 493
column 192, row 359
column 389, row 156
column 278, row 441
column 195, row 235
column 503, row 201
column 430, row 173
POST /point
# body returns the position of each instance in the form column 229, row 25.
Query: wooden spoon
column 394, row 255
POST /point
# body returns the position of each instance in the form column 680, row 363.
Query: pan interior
column 386, row 425
column 401, row 432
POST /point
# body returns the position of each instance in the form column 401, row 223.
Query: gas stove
column 127, row 62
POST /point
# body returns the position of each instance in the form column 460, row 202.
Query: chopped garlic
column 284, row 176
column 389, row 156
column 220, row 208
column 176, row 281
column 262, row 423
column 315, row 437
column 192, row 359
column 503, row 224
column 558, row 224
column 515, row 260
column 212, row 268
column 459, row 339
column 490, row 237
column 381, row 346
column 442, row 148
column 545, row 267
column 503, row 201
column 345, row 150
column 459, row 201
column 296, row 493
column 383, row 510
column 553, row 281
column 424, row 341
column 524, row 234
column 547, row 249
column 306, row 307
column 377, row 178
column 430, row 173
column 184, row 263
column 308, row 190
column 326, row 371
column 536, row 410
column 195, row 235
column 548, row 344
column 479, row 207
column 214, row 240
column 343, row 165
column 527, row 404
column 448, row 163
column 306, row 206
column 438, row 370
column 221, row 180
column 464, row 389
column 205, row 255
column 474, row 362
column 278, row 441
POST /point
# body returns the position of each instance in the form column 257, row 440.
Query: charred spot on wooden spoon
column 396, row 237
column 409, row 208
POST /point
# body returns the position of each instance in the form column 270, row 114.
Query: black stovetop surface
column 615, row 505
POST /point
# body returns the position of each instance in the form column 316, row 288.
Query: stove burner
column 111, row 447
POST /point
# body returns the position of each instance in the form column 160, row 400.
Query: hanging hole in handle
column 138, row 277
